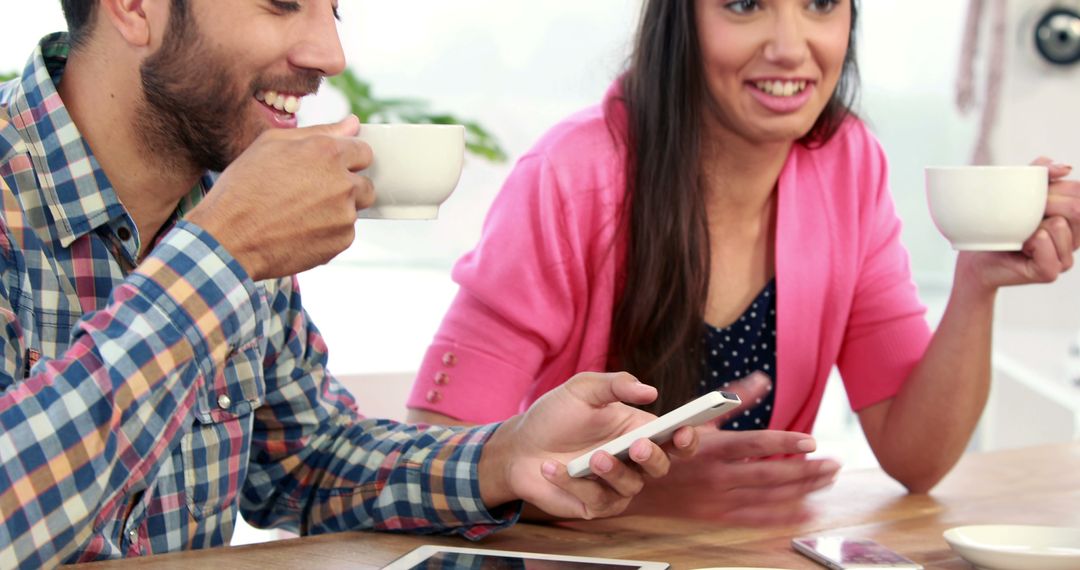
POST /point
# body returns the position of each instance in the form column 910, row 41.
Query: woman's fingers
column 754, row 444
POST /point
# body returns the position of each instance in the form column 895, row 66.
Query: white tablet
column 442, row 557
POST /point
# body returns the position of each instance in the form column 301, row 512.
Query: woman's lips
column 782, row 96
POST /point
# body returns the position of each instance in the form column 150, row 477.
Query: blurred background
column 518, row 67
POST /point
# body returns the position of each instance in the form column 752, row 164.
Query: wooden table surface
column 1038, row 485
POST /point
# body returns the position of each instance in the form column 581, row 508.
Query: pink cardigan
column 536, row 295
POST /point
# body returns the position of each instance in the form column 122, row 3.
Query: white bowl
column 1017, row 547
column 987, row 208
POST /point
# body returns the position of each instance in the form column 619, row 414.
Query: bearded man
column 159, row 372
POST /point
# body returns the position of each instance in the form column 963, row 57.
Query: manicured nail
column 602, row 464
column 641, row 454
column 806, row 445
column 549, row 468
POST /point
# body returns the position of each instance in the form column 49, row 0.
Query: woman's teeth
column 781, row 88
column 285, row 103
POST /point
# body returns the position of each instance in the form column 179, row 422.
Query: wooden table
column 1039, row 485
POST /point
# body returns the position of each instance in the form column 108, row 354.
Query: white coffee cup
column 987, row 208
column 415, row 168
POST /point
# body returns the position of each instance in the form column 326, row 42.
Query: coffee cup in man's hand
column 415, row 168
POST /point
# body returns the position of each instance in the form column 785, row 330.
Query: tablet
column 444, row 557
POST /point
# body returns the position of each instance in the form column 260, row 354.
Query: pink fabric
column 537, row 293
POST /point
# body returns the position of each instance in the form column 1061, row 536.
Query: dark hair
column 80, row 18
column 658, row 320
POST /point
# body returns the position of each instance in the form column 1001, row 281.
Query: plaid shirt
column 143, row 404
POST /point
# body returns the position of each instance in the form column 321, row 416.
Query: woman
column 722, row 213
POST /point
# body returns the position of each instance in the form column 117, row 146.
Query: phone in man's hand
column 710, row 406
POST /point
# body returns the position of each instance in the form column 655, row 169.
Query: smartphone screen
column 841, row 552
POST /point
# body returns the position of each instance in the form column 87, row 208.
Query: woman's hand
column 732, row 480
column 746, row 478
column 1046, row 254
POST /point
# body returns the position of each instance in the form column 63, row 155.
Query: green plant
column 7, row 76
column 370, row 109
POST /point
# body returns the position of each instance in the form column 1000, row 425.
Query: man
column 159, row 372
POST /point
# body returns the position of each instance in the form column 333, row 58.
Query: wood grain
column 1038, row 485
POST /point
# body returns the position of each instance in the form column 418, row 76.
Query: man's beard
column 194, row 114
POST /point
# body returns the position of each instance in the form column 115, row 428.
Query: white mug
column 414, row 170
column 987, row 208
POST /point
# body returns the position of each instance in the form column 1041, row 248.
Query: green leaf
column 364, row 104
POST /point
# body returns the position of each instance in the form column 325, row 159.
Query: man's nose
column 320, row 47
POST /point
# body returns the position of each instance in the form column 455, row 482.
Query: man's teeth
column 781, row 88
column 285, row 103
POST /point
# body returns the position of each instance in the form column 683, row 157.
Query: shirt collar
column 72, row 182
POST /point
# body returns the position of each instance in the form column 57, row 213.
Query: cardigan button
column 434, row 396
column 449, row 359
column 442, row 378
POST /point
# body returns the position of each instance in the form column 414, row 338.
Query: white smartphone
column 843, row 553
column 661, row 430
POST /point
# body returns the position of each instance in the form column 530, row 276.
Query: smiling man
column 159, row 374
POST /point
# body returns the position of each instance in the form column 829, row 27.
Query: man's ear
column 132, row 19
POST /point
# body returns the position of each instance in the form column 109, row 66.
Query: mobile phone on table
column 710, row 406
column 844, row 553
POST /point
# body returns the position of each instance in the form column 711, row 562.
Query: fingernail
column 602, row 464
column 641, row 454
column 1061, row 166
column 549, row 468
column 806, row 445
column 829, row 466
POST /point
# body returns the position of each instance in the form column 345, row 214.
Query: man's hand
column 289, row 202
column 526, row 457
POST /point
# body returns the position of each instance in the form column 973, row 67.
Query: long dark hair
column 659, row 312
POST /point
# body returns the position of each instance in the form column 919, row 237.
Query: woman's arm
column 919, row 434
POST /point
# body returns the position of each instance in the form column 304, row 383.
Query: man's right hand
column 289, row 202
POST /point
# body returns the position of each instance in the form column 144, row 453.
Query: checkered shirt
column 143, row 405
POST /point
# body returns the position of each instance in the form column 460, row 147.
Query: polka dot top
column 746, row 346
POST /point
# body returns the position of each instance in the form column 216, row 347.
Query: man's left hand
column 526, row 457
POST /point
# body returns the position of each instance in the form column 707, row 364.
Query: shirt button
column 434, row 396
column 442, row 378
column 449, row 359
column 123, row 233
column 133, row 535
column 224, row 401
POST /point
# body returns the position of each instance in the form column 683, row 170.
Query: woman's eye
column 743, row 6
column 823, row 6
